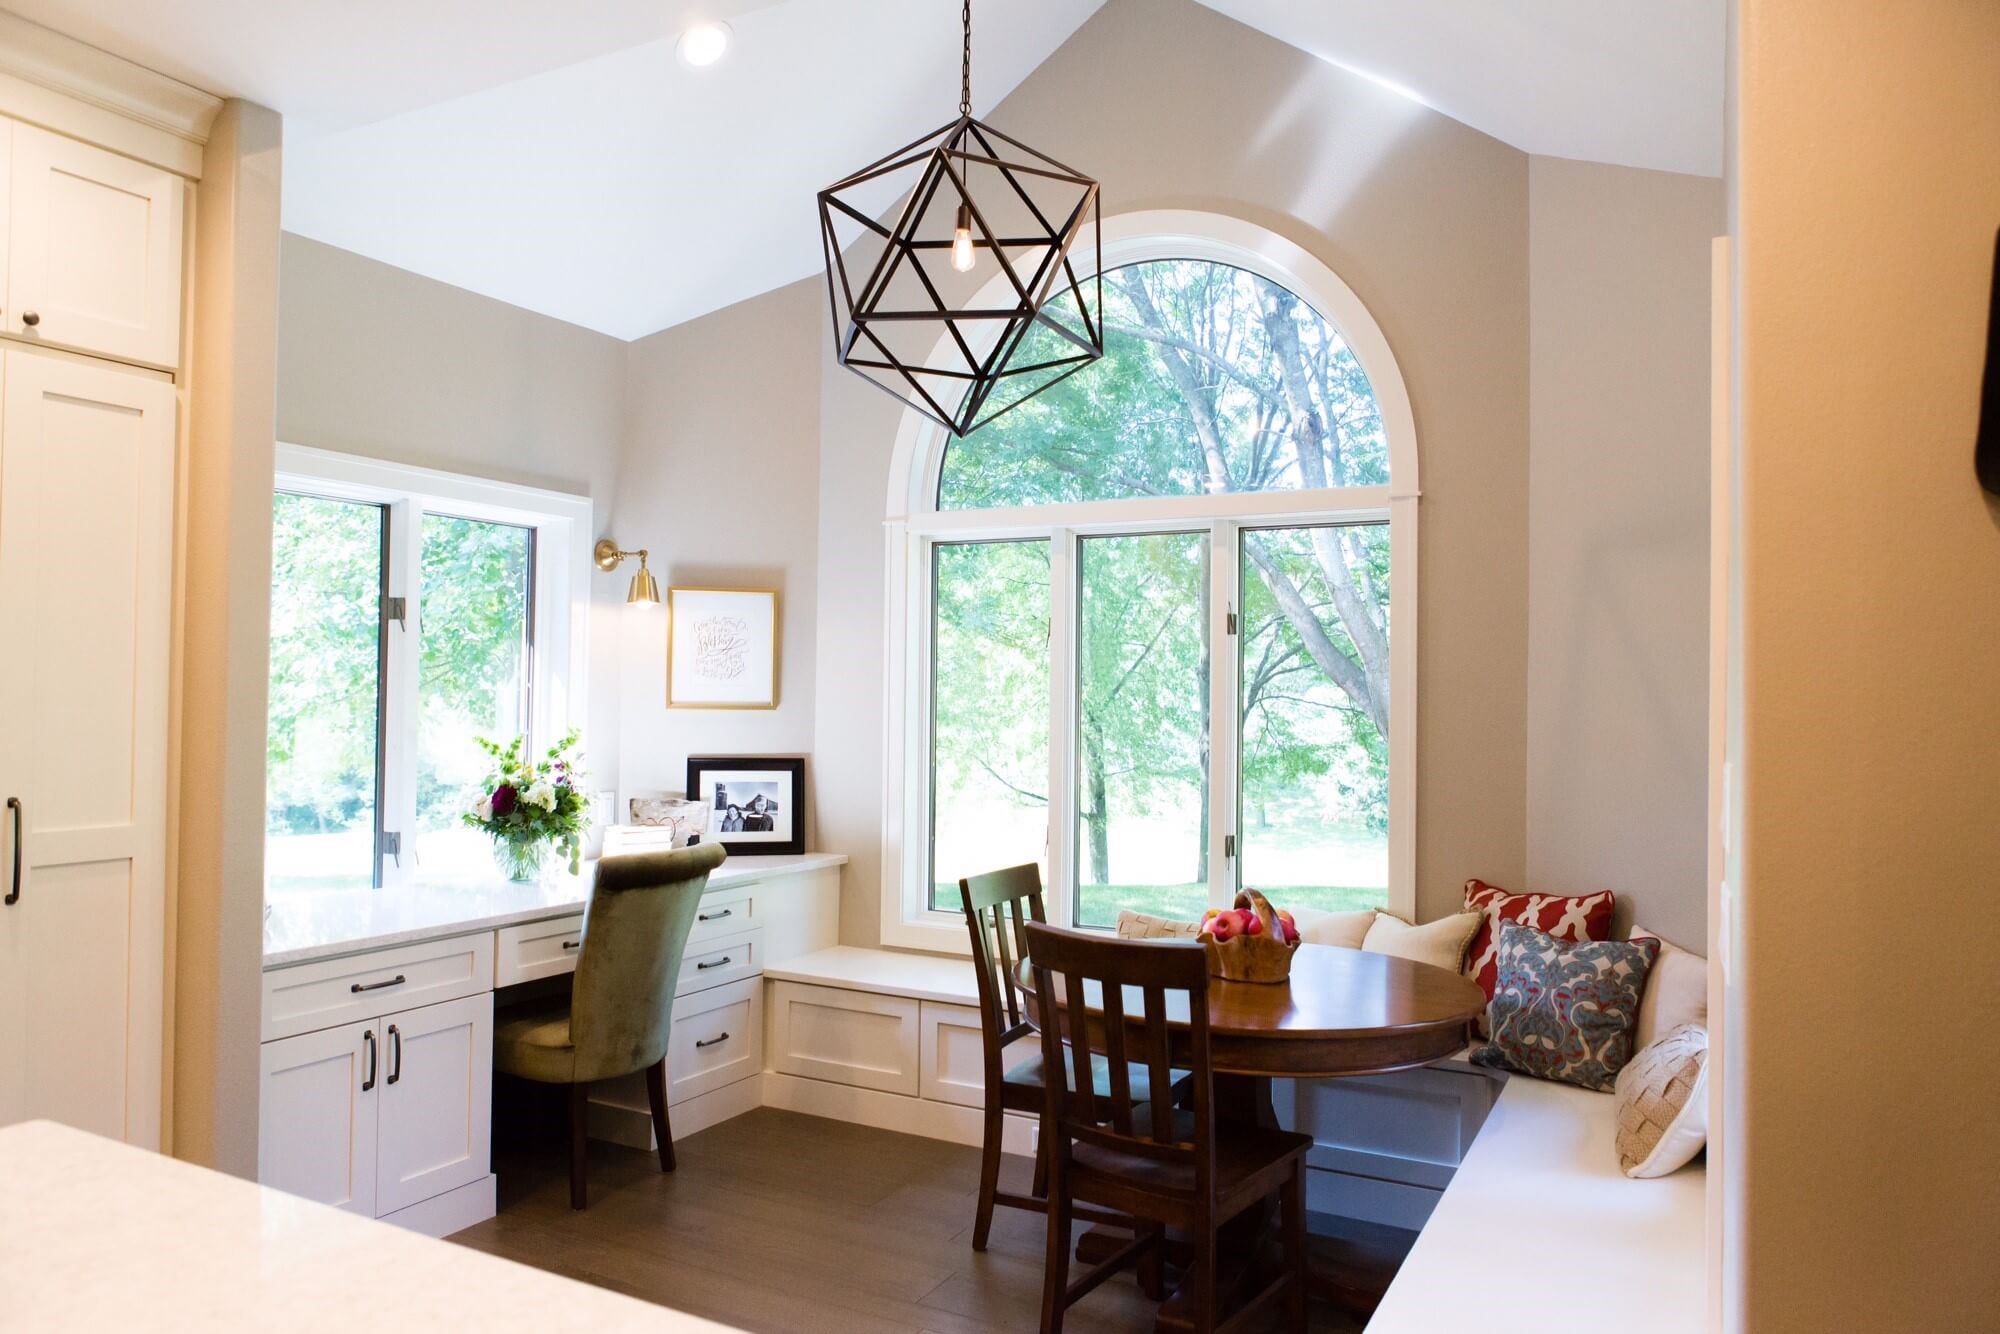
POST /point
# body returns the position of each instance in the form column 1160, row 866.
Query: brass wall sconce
column 609, row 557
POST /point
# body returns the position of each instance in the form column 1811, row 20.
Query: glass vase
column 521, row 860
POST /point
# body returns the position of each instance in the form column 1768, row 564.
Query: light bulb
column 703, row 44
column 962, row 256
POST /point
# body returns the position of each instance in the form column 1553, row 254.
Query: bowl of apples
column 1252, row 942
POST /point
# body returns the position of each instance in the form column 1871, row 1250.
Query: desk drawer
column 728, row 911
column 714, row 962
column 536, row 949
column 718, row 1038
column 327, row 993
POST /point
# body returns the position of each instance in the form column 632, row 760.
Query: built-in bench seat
column 1539, row 1229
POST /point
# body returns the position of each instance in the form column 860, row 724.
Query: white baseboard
column 616, row 1121
column 895, row 1111
column 453, row 1211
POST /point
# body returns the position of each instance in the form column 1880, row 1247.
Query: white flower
column 541, row 794
column 483, row 808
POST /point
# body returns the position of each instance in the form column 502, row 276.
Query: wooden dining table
column 1342, row 1012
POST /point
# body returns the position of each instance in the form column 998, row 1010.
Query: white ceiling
column 558, row 156
column 1635, row 82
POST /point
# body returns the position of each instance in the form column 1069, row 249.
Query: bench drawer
column 718, row 1038
column 714, row 962
column 846, row 1037
column 536, row 949
column 327, row 993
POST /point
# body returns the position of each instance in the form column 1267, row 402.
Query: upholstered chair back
column 635, row 933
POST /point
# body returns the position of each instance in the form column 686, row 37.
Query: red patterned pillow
column 1587, row 917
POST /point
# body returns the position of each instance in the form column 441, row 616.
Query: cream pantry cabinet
column 384, row 1116
column 92, row 243
column 86, row 561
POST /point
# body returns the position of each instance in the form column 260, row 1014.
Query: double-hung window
column 1155, row 625
column 412, row 612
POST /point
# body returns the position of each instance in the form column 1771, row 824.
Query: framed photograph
column 722, row 648
column 756, row 807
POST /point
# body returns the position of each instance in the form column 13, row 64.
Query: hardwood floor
column 781, row 1222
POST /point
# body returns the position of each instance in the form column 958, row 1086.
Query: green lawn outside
column 1100, row 903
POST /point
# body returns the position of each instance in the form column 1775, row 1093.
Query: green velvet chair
column 620, row 1010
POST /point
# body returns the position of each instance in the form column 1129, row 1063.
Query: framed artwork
column 722, row 648
column 756, row 807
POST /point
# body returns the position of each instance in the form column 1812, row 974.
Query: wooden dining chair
column 998, row 906
column 1153, row 1162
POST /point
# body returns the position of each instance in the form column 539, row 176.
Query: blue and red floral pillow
column 1565, row 1010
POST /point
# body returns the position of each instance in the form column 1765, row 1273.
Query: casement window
column 411, row 611
column 1154, row 629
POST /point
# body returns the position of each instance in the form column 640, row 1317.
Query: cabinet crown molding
column 97, row 78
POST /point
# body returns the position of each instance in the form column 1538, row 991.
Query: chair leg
column 1055, row 1269
column 663, row 1131
column 1207, row 1299
column 989, row 1173
column 1041, row 1186
column 579, row 1124
column 1152, row 1267
column 1292, row 1200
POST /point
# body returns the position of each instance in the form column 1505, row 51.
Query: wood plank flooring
column 781, row 1222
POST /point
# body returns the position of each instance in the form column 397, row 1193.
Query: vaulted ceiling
column 559, row 156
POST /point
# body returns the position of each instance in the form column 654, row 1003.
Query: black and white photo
column 754, row 806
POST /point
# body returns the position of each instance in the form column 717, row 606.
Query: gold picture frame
column 729, row 658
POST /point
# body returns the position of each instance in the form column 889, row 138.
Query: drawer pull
column 702, row 967
column 368, row 1040
column 395, row 1054
column 14, row 890
column 395, row 981
column 715, row 916
column 711, row 1042
column 572, row 944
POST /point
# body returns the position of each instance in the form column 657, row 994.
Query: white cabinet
column 381, row 1115
column 93, row 248
column 86, row 561
column 858, row 1038
column 717, row 1039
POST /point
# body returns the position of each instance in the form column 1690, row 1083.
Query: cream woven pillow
column 1140, row 926
column 1441, row 943
column 1663, row 1104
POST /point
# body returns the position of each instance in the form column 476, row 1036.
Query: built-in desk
column 377, row 1060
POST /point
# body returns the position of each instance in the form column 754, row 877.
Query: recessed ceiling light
column 703, row 44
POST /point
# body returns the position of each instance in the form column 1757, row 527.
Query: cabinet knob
column 29, row 318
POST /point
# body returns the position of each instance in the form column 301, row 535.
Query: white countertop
column 98, row 1235
column 325, row 924
column 928, row 977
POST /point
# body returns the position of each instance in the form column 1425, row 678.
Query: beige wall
column 378, row 361
column 1862, row 1103
column 719, row 478
column 1617, row 751
column 224, row 650
column 1174, row 106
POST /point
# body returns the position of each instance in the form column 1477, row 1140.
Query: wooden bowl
column 1260, row 958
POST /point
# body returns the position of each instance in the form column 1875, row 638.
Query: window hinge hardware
column 1229, row 845
column 395, row 609
column 392, row 842
column 1232, row 620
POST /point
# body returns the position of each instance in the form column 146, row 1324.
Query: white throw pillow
column 1663, row 1104
column 1440, row 944
column 1347, row 929
column 1676, row 993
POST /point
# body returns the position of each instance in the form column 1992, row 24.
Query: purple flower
column 504, row 798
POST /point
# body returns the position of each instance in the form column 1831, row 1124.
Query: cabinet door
column 86, row 555
column 94, row 258
column 437, row 1101
column 316, row 1129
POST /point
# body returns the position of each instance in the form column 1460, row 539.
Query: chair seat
column 533, row 1042
column 1249, row 1164
column 1028, row 1075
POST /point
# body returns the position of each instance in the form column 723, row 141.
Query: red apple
column 1253, row 925
column 1291, row 932
column 1222, row 928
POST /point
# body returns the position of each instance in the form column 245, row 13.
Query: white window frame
column 914, row 524
column 559, row 668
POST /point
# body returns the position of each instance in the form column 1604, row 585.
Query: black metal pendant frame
column 946, row 156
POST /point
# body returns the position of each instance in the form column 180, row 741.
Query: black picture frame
column 788, row 837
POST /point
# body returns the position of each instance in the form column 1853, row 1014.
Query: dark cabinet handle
column 701, row 967
column 368, row 1039
column 711, row 1042
column 395, row 1054
column 14, row 892
column 29, row 318
column 572, row 944
column 715, row 916
column 395, row 981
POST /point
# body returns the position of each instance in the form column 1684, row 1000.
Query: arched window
column 1146, row 633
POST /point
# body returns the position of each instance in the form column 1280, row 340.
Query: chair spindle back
column 994, row 914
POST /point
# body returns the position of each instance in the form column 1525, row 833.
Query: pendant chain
column 965, row 82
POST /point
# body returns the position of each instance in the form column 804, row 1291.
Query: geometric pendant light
column 950, row 272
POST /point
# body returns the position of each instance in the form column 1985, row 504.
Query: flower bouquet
column 529, row 808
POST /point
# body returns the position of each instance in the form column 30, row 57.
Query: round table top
column 1342, row 1012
